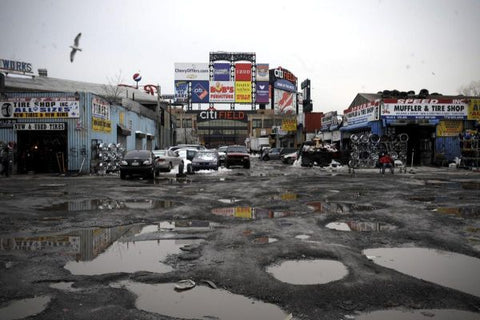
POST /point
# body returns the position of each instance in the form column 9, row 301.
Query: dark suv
column 237, row 155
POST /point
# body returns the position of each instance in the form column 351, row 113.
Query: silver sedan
column 165, row 160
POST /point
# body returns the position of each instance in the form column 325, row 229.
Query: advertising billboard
column 262, row 92
column 360, row 115
column 222, row 91
column 221, row 71
column 191, row 71
column 285, row 102
column 243, row 91
column 200, row 91
column 262, row 72
column 243, row 72
column 181, row 91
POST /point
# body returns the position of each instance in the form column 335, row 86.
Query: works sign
column 15, row 66
column 213, row 114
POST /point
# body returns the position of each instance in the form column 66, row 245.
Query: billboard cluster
column 230, row 83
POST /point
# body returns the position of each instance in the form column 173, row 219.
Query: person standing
column 6, row 160
column 386, row 162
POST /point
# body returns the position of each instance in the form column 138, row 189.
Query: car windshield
column 159, row 153
column 142, row 154
column 206, row 156
column 237, row 149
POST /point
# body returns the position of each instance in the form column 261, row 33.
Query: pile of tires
column 367, row 148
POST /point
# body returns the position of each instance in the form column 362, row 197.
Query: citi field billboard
column 191, row 71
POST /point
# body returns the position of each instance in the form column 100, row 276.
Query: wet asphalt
column 92, row 245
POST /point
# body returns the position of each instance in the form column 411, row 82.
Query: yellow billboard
column 243, row 92
column 289, row 124
column 449, row 128
column 474, row 110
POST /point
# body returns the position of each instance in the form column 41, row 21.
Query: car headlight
column 147, row 162
column 123, row 163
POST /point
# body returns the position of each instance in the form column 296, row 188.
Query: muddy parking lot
column 271, row 242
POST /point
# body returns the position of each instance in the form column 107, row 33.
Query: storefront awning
column 140, row 134
column 150, row 136
column 124, row 131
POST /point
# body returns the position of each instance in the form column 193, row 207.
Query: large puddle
column 201, row 302
column 465, row 212
column 107, row 204
column 453, row 270
column 436, row 314
column 19, row 309
column 131, row 257
column 308, row 271
column 250, row 213
column 360, row 226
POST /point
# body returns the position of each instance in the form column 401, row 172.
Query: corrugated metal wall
column 82, row 139
column 449, row 147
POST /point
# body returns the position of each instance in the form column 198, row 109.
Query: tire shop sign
column 40, row 108
column 56, row 126
column 424, row 109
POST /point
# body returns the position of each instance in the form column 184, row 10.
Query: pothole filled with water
column 250, row 213
column 201, row 302
column 264, row 240
column 131, row 257
column 107, row 204
column 437, row 314
column 19, row 309
column 453, row 270
column 328, row 207
column 464, row 212
column 304, row 272
column 360, row 226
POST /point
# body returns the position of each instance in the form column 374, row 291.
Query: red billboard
column 243, row 72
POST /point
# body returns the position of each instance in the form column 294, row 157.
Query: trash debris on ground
column 185, row 285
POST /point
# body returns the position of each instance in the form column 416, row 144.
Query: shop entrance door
column 41, row 151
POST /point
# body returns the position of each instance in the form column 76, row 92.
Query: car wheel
column 247, row 166
column 227, row 165
column 189, row 169
column 266, row 158
column 122, row 175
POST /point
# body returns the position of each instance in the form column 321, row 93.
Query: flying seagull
column 75, row 46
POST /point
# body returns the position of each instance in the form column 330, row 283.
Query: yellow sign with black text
column 101, row 125
column 449, row 128
column 474, row 110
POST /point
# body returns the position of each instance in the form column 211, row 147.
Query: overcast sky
column 343, row 47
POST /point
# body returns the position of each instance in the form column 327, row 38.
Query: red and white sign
column 222, row 91
column 243, row 72
column 285, row 102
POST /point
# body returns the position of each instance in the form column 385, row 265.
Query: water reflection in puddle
column 360, row 226
column 308, row 271
column 264, row 240
column 445, row 268
column 302, row 237
column 130, row 257
column 466, row 212
column 250, row 213
column 201, row 302
column 286, row 196
column 227, row 201
column 446, row 314
column 328, row 207
column 64, row 286
column 19, row 309
column 107, row 204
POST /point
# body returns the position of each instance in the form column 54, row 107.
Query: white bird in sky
column 75, row 47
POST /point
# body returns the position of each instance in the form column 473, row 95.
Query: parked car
column 222, row 153
column 237, row 155
column 165, row 160
column 187, row 146
column 139, row 163
column 277, row 153
column 187, row 155
column 290, row 158
column 205, row 160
